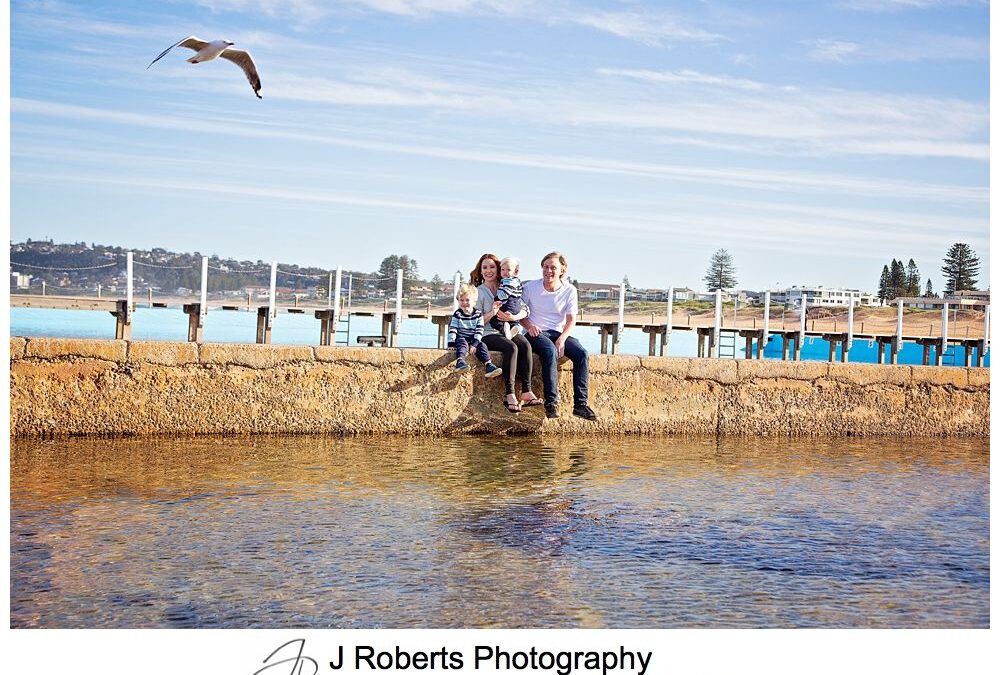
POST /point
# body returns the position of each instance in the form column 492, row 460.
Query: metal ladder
column 343, row 325
column 727, row 345
column 344, row 317
column 949, row 355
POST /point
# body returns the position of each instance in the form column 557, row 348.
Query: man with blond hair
column 553, row 305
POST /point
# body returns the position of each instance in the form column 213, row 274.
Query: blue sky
column 815, row 141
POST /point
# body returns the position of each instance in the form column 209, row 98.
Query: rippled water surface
column 481, row 532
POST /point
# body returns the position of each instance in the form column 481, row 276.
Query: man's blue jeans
column 545, row 346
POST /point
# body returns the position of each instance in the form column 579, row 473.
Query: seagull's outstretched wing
column 244, row 61
column 191, row 42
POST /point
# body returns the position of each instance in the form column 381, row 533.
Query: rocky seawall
column 116, row 387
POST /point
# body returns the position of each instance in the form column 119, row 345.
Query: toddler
column 466, row 332
column 508, row 297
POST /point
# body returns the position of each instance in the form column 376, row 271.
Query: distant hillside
column 84, row 266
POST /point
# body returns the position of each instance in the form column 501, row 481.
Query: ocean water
column 316, row 532
column 303, row 329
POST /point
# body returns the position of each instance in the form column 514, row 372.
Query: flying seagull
column 206, row 51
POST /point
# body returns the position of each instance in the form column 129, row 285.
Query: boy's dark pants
column 462, row 349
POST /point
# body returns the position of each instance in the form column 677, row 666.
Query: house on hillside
column 20, row 281
column 597, row 291
column 818, row 296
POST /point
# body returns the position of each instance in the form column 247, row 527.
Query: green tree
column 437, row 284
column 628, row 285
column 387, row 272
column 929, row 293
column 960, row 269
column 883, row 285
column 912, row 279
column 721, row 272
column 897, row 279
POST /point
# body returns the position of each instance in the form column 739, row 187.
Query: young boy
column 466, row 331
column 508, row 298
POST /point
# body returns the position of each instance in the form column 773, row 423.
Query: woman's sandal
column 531, row 402
column 511, row 407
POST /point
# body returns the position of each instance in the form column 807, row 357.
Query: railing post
column 986, row 330
column 128, row 287
column 717, row 326
column 203, row 309
column 802, row 326
column 670, row 321
column 939, row 359
column 336, row 298
column 399, row 301
column 272, row 309
column 897, row 343
column 123, row 326
column 846, row 347
column 43, row 288
column 98, row 291
column 767, row 322
column 621, row 318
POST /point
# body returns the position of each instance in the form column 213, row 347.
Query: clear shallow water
column 303, row 329
column 480, row 532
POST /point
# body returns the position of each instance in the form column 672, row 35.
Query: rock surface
column 111, row 387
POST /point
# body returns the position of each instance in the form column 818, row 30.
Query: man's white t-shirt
column 549, row 309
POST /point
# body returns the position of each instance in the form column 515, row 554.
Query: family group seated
column 496, row 312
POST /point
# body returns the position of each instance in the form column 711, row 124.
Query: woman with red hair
column 516, row 352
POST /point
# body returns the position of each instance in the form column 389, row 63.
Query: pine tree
column 912, row 279
column 960, row 269
column 883, row 285
column 721, row 272
column 897, row 279
column 929, row 293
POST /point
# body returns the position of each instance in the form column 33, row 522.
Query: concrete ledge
column 676, row 366
column 941, row 376
column 430, row 357
column 723, row 371
column 613, row 363
column 790, row 370
column 61, row 386
column 979, row 378
column 372, row 355
column 865, row 374
column 55, row 348
column 254, row 356
column 163, row 353
column 17, row 347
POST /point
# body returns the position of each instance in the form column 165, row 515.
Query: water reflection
column 481, row 532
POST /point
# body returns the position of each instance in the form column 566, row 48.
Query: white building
column 818, row 296
column 20, row 281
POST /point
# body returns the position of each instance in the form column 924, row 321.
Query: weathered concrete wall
column 63, row 386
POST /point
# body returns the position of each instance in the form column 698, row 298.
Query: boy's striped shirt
column 468, row 326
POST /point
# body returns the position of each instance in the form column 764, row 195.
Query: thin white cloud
column 685, row 76
column 793, row 232
column 316, row 9
column 913, row 48
column 736, row 176
column 304, row 10
column 820, row 121
column 839, row 51
column 651, row 28
column 900, row 5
